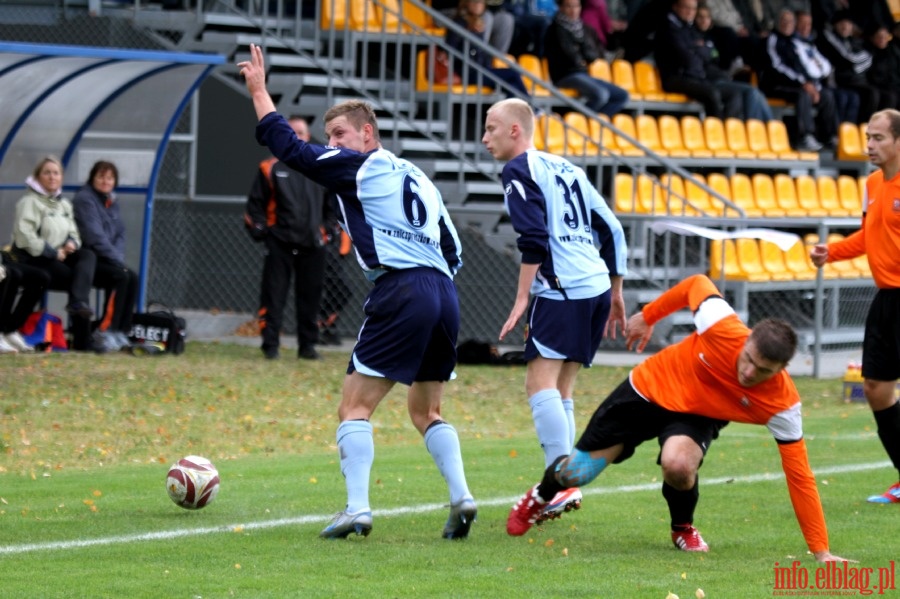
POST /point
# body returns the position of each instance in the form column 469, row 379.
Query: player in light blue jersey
column 407, row 245
column 577, row 291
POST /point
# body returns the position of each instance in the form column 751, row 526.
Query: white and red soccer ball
column 192, row 482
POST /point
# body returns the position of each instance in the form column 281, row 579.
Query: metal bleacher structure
column 659, row 160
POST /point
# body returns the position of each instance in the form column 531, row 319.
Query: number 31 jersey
column 561, row 220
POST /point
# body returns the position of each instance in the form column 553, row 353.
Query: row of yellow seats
column 684, row 137
column 760, row 260
column 641, row 79
column 759, row 195
column 367, row 15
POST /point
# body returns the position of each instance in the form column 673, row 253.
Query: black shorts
column 626, row 417
column 881, row 344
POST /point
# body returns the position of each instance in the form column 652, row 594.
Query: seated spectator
column 597, row 16
column 847, row 53
column 687, row 66
column 646, row 19
column 571, row 47
column 846, row 100
column 103, row 231
column 499, row 25
column 885, row 71
column 46, row 237
column 471, row 16
column 786, row 78
column 16, row 307
column 532, row 18
column 728, row 31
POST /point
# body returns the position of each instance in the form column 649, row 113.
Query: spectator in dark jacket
column 846, row 52
column 787, row 78
column 103, row 232
column 885, row 71
column 570, row 48
column 687, row 66
column 470, row 17
column 846, row 101
column 287, row 210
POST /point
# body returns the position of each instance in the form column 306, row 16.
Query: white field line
column 401, row 511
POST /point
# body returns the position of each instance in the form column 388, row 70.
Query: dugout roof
column 85, row 104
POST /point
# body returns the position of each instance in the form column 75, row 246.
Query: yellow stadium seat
column 781, row 145
column 602, row 135
column 749, row 260
column 863, row 194
column 846, row 269
column 647, row 133
column 828, row 197
column 786, row 195
column 849, row 144
column 736, row 137
column 578, row 135
column 623, row 76
column 758, row 141
column 670, row 137
column 863, row 139
column 808, row 196
column 626, row 201
column 425, row 78
column 848, row 191
column 673, row 190
column 723, row 261
column 796, row 259
column 550, row 133
column 533, row 65
column 773, row 261
column 693, row 137
column 626, row 125
column 649, row 86
column 742, row 195
column 698, row 197
column 716, row 139
column 420, row 18
column 720, row 184
column 599, row 69
column 764, row 194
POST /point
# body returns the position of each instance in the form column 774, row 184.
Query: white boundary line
column 420, row 509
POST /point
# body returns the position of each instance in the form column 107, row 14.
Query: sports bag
column 158, row 330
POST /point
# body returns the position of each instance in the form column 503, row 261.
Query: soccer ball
column 192, row 482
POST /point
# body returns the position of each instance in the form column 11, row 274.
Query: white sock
column 551, row 424
column 442, row 443
column 357, row 450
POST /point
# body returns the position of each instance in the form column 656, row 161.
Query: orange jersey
column 699, row 376
column 879, row 236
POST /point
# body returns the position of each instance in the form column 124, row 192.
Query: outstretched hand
column 637, row 331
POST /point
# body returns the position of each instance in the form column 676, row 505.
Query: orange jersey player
column 879, row 240
column 683, row 396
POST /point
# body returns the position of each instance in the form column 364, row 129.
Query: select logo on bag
column 158, row 331
column 150, row 333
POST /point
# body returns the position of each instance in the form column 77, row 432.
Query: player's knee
column 679, row 472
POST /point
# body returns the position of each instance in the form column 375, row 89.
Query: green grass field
column 87, row 441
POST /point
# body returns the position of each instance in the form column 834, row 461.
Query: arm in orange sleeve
column 804, row 494
column 850, row 247
column 689, row 293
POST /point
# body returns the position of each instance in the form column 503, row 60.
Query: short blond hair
column 358, row 113
column 516, row 111
column 893, row 117
column 40, row 165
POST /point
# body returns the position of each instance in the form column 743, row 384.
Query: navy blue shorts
column 881, row 343
column 626, row 417
column 569, row 330
column 410, row 328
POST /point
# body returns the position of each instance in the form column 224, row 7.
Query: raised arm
column 254, row 72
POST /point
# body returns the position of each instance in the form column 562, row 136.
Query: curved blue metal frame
column 32, row 53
